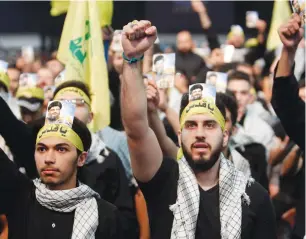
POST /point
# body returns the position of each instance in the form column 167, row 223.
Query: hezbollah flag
column 281, row 13
column 81, row 50
column 105, row 8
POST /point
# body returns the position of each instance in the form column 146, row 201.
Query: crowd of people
column 172, row 163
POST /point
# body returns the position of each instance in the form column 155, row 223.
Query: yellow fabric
column 61, row 131
column 203, row 106
column 81, row 50
column 281, row 13
column 4, row 78
column 75, row 90
column 30, row 92
column 105, row 9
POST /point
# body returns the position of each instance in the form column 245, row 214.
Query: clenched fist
column 291, row 32
column 137, row 37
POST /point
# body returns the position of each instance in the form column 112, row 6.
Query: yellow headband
column 62, row 131
column 75, row 90
column 4, row 79
column 203, row 106
column 30, row 92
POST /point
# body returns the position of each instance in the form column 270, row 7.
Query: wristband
column 132, row 60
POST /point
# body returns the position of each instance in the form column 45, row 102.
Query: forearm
column 205, row 20
column 168, row 147
column 147, row 60
column 285, row 63
column 133, row 101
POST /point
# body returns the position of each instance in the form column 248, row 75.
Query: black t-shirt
column 258, row 219
column 208, row 224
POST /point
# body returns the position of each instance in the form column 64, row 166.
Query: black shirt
column 258, row 219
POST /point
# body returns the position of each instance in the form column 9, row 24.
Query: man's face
column 82, row 110
column 302, row 93
column 159, row 66
column 54, row 113
column 196, row 94
column 236, row 40
column 213, row 79
column 202, row 141
column 241, row 90
column 45, row 78
column 14, row 75
column 184, row 42
column 55, row 67
column 56, row 162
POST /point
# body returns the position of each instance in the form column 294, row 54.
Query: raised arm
column 146, row 155
column 168, row 147
column 285, row 98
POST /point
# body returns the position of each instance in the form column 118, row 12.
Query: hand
column 198, row 6
column 137, row 37
column 163, row 100
column 107, row 33
column 291, row 32
column 152, row 95
column 261, row 26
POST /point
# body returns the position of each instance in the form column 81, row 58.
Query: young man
column 105, row 172
column 239, row 84
column 201, row 195
column 57, row 204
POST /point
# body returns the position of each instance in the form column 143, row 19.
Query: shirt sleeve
column 289, row 107
column 12, row 183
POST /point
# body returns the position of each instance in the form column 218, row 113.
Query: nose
column 200, row 133
column 50, row 157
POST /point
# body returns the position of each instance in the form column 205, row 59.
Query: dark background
column 169, row 17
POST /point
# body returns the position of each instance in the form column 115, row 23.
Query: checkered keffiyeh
column 232, row 184
column 82, row 199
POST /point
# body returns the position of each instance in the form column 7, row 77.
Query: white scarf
column 98, row 150
column 82, row 199
column 232, row 185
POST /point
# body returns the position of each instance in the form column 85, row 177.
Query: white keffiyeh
column 232, row 185
column 82, row 199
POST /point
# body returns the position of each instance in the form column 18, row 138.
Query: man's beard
column 202, row 165
column 52, row 118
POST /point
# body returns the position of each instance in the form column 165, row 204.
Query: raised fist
column 137, row 37
column 291, row 32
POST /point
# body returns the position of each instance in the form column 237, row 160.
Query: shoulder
column 106, row 209
column 259, row 196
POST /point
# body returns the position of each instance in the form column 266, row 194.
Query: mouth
column 201, row 147
column 49, row 171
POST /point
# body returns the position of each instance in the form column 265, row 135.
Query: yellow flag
column 105, row 8
column 281, row 13
column 81, row 50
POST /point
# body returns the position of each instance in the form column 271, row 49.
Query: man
column 45, row 77
column 195, row 187
column 186, row 60
column 57, row 204
column 212, row 79
column 196, row 92
column 290, row 108
column 54, row 111
column 239, row 84
column 106, row 174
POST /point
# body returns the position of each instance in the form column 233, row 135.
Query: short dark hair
column 219, row 104
column 212, row 74
column 239, row 75
column 196, row 86
column 158, row 58
column 230, row 104
column 74, row 83
column 54, row 104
